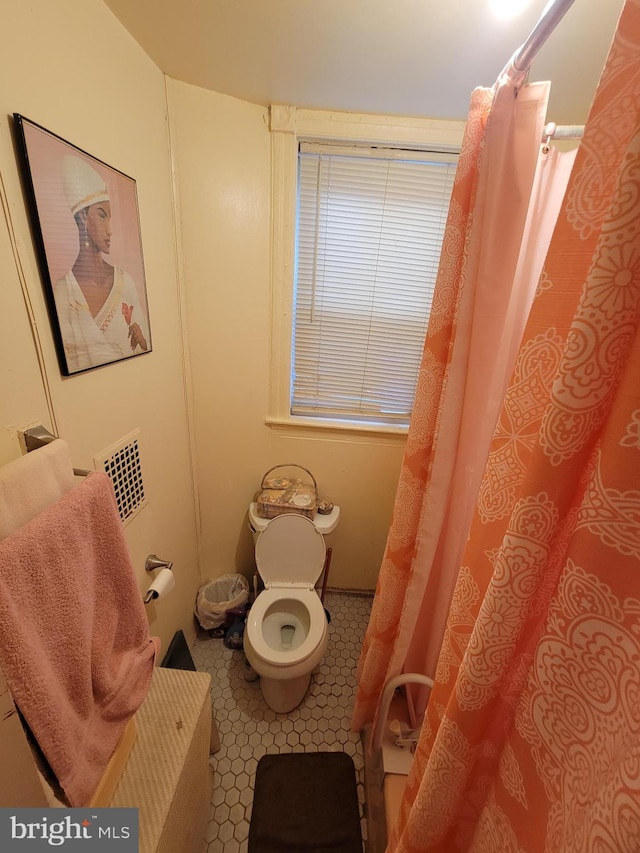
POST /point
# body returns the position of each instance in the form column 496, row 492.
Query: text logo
column 103, row 830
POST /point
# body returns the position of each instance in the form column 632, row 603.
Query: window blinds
column 369, row 234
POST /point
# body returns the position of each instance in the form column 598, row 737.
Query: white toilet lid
column 290, row 551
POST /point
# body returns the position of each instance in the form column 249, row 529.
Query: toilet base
column 284, row 694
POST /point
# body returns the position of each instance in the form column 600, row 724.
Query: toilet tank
column 324, row 524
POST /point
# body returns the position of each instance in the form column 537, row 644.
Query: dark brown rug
column 305, row 802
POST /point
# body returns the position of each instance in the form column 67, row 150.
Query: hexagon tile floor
column 249, row 729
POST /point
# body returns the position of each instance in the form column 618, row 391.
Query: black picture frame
column 86, row 229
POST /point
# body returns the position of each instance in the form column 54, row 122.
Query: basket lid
column 290, row 550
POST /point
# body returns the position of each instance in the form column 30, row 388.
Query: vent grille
column 121, row 462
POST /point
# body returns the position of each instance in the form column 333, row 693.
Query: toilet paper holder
column 152, row 563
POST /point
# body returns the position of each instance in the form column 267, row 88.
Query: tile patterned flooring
column 249, row 729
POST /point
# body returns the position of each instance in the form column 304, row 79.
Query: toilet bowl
column 286, row 632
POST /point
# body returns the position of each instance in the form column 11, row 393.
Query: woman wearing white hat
column 97, row 304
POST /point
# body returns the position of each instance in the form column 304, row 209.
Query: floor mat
column 305, row 802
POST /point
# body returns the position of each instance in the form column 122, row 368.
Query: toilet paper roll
column 162, row 584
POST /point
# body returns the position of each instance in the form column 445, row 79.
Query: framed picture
column 86, row 229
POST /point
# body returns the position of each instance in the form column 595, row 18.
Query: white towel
column 32, row 483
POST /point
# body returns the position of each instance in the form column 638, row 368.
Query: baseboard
column 365, row 593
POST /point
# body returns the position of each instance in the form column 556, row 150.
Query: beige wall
column 222, row 163
column 94, row 87
column 69, row 66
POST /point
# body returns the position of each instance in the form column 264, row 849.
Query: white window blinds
column 369, row 233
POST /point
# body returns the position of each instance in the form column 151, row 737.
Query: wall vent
column 121, row 462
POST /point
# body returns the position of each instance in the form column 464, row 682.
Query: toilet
column 285, row 636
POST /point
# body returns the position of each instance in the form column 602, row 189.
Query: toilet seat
column 317, row 624
column 290, row 552
column 290, row 556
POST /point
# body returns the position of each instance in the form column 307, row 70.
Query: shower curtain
column 507, row 185
column 532, row 735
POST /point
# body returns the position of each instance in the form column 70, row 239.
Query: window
column 309, row 290
column 370, row 225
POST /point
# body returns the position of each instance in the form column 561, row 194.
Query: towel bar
column 38, row 436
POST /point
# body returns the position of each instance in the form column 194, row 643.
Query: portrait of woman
column 88, row 236
column 97, row 305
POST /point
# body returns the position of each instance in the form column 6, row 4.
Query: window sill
column 325, row 424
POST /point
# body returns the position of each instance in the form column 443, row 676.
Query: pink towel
column 33, row 482
column 74, row 639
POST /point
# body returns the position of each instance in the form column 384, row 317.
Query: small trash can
column 216, row 597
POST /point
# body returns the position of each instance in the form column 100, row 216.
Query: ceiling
column 395, row 57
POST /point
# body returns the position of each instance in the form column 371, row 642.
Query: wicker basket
column 280, row 495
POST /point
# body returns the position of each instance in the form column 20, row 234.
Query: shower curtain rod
column 562, row 131
column 521, row 60
column 516, row 69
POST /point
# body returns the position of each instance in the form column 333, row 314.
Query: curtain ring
column 548, row 132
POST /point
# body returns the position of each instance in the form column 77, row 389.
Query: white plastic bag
column 217, row 596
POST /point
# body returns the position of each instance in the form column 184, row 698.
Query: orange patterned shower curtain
column 486, row 281
column 400, row 588
column 532, row 736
